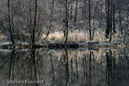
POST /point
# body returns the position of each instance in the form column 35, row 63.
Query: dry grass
column 76, row 36
column 1, row 37
column 73, row 36
column 99, row 36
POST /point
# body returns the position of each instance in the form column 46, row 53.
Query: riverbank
column 89, row 45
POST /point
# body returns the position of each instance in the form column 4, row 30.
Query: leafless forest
column 34, row 21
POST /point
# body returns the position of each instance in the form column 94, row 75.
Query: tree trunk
column 10, row 26
column 66, row 21
column 127, row 21
column 114, row 26
column 71, row 9
column 90, row 20
column 33, row 34
column 50, row 19
column 76, row 10
column 108, row 18
column 120, row 16
column 93, row 26
column 30, row 21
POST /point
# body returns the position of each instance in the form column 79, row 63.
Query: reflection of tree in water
column 12, row 64
column 33, row 74
column 117, row 69
column 110, row 69
column 34, row 65
column 67, row 67
column 90, row 65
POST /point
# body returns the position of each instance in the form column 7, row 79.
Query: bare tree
column 51, row 18
column 113, row 13
column 71, row 9
column 33, row 38
column 119, row 7
column 108, row 17
column 76, row 10
column 90, row 19
column 66, row 21
column 10, row 26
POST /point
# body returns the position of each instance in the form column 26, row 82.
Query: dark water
column 64, row 68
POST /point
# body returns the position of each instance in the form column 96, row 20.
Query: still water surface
column 65, row 67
